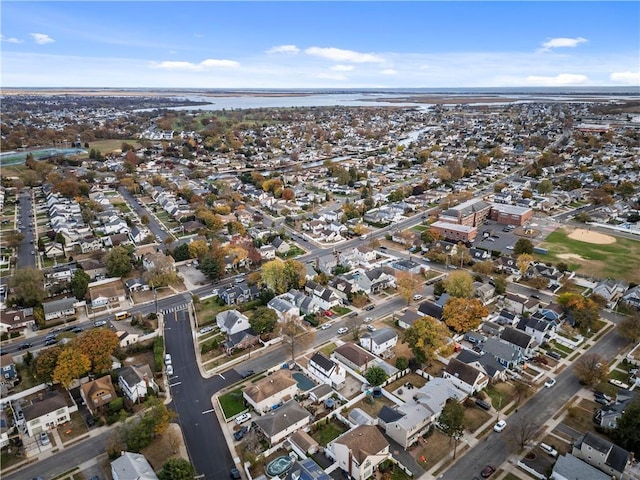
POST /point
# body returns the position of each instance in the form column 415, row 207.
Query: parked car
column 342, row 330
column 237, row 436
column 169, row 370
column 77, row 330
column 618, row 383
column 500, row 426
column 247, row 373
column 484, row 405
column 328, row 313
column 417, row 296
column 325, row 326
column 369, row 307
column 207, row 329
column 371, row 328
column 549, row 449
column 550, row 383
column 368, row 319
column 50, row 341
column 554, row 355
column 44, row 438
column 99, row 323
column 487, row 471
column 235, row 474
column 167, row 359
column 24, row 346
column 243, row 417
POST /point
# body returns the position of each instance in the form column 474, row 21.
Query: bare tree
column 354, row 324
column 523, row 430
column 294, row 335
column 591, row 369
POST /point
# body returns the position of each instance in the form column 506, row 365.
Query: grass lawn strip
column 232, row 403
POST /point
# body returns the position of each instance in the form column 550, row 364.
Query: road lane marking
column 208, row 411
column 175, row 384
column 221, row 376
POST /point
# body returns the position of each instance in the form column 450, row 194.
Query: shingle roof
column 388, row 415
column 364, row 440
column 354, row 354
column 270, row 386
column 323, row 362
column 276, row 421
column 50, row 403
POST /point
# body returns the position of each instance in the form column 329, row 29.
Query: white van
column 549, row 449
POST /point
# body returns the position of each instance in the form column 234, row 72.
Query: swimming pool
column 304, row 382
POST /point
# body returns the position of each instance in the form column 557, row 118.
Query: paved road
column 26, row 224
column 153, row 224
column 497, row 447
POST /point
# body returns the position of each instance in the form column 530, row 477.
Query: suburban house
column 239, row 293
column 244, row 339
column 466, row 377
column 278, row 424
column 521, row 341
column 519, row 303
column 434, row 309
column 281, row 246
column 541, row 329
column 632, row 296
column 380, row 342
column 323, row 296
column 8, row 370
column 16, row 320
column 132, row 466
column 232, row 321
column 505, row 353
column 485, row 362
column 267, row 252
column 59, row 308
column 354, row 357
column 407, row 422
column 106, row 293
column 359, row 451
column 98, row 393
column 408, row 318
column 327, row 371
column 568, row 467
column 54, row 250
column 135, row 381
column 283, row 307
column 271, row 391
column 46, row 412
column 602, row 454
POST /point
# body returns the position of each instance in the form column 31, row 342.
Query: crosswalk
column 176, row 308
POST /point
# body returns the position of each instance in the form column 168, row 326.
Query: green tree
column 181, row 253
column 118, row 261
column 28, row 286
column 375, row 376
column 425, row 337
column 452, row 422
column 628, row 426
column 263, row 320
column 545, row 186
column 176, row 469
column 402, row 363
column 459, row 284
column 212, row 266
column 523, row 245
column 79, row 284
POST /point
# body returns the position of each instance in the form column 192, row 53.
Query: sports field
column 594, row 254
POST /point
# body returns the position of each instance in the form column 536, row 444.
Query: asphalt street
column 26, row 225
column 153, row 224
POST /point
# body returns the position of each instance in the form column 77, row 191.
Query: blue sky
column 206, row 44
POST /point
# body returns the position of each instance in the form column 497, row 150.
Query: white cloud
column 342, row 68
column 560, row 80
column 331, row 76
column 562, row 42
column 195, row 67
column 41, row 38
column 389, row 71
column 286, row 49
column 339, row 55
column 629, row 78
column 10, row 39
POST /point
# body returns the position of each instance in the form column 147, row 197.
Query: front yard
column 433, row 449
column 232, row 403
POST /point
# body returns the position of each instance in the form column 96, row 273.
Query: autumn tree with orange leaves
column 463, row 314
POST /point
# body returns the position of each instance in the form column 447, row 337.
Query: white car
column 207, row 329
column 325, row 326
column 550, row 383
column 417, row 296
column 342, row 330
column 509, row 247
column 44, row 438
column 368, row 319
column 100, row 323
column 618, row 383
column 167, row 359
column 498, row 427
column 169, row 370
column 243, row 418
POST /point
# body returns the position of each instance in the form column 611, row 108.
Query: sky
column 335, row 44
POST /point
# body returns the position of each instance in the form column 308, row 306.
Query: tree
column 402, row 363
column 523, row 262
column 80, row 283
column 212, row 266
column 408, row 285
column 13, row 239
column 354, row 324
column 521, row 390
column 263, row 320
column 144, row 219
column 45, row 363
column 523, row 430
column 452, row 422
column 294, row 335
column 545, row 186
column 628, row 426
column 629, row 328
column 591, row 369
column 463, row 314
column 28, row 286
column 71, row 365
column 198, row 249
column 176, row 469
column 98, row 344
column 459, row 284
column 425, row 337
column 375, row 376
column 181, row 252
column 162, row 273
column 523, row 245
column 118, row 261
column 273, row 276
column 584, row 310
column 485, row 268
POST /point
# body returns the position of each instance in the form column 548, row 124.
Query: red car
column 487, row 471
column 328, row 313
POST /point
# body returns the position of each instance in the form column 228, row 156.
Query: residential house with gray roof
column 602, row 454
column 568, row 467
column 59, row 308
column 465, row 376
column 282, row 422
column 505, row 353
column 380, row 342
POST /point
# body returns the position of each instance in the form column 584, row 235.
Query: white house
column 278, row 424
column 327, row 371
column 271, row 391
column 135, row 381
column 46, row 413
column 379, row 342
column 466, row 377
column 59, row 308
column 132, row 466
column 232, row 321
column 359, row 451
column 283, row 307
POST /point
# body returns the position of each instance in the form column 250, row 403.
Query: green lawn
column 327, row 432
column 619, row 260
column 232, row 403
